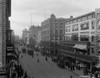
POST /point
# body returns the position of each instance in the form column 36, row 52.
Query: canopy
column 98, row 65
column 80, row 46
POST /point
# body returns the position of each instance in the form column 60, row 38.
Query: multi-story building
column 53, row 29
column 81, row 28
column 25, row 36
column 39, row 37
column 33, row 32
column 5, row 34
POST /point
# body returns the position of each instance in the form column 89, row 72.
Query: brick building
column 33, row 32
column 53, row 29
column 25, row 36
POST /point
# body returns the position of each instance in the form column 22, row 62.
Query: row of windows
column 57, row 38
column 83, row 26
column 81, row 19
column 57, row 32
column 82, row 38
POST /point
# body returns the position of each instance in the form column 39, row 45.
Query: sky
column 25, row 13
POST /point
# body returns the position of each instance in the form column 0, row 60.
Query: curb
column 72, row 71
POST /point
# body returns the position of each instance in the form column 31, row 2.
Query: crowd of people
column 16, row 71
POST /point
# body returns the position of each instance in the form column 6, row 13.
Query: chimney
column 71, row 17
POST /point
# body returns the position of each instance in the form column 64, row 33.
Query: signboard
column 10, row 49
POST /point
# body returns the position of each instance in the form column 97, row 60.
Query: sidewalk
column 78, row 72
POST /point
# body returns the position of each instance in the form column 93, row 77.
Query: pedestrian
column 25, row 76
column 38, row 60
column 46, row 59
column 37, row 54
column 70, row 76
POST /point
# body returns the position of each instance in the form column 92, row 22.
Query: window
column 68, row 29
column 68, row 37
column 98, row 24
column 75, row 20
column 92, row 24
column 85, row 26
column 75, row 37
column 61, row 37
column 52, row 38
column 84, row 37
column 61, row 23
column 79, row 19
column 75, row 27
column 89, row 16
column 84, row 18
column 56, row 31
column 61, row 31
column 56, row 38
column 92, row 50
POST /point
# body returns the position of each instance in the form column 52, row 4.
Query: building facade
column 39, row 37
column 5, row 13
column 33, row 32
column 82, row 28
column 25, row 36
column 53, row 29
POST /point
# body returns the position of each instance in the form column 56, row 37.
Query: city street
column 43, row 68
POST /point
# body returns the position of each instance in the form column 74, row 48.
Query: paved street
column 43, row 69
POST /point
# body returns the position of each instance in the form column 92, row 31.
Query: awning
column 80, row 46
column 98, row 65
